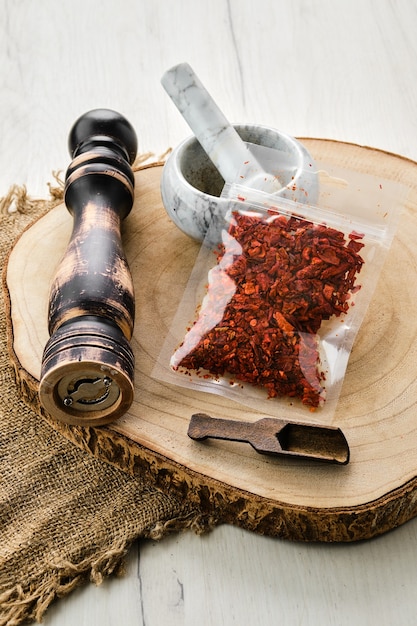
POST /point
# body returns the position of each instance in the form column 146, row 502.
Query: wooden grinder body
column 88, row 364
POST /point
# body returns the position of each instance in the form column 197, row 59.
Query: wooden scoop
column 276, row 437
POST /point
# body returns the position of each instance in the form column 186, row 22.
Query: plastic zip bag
column 279, row 291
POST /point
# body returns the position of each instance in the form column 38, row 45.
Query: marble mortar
column 191, row 185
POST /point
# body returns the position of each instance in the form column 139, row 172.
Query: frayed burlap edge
column 22, row 604
column 19, row 604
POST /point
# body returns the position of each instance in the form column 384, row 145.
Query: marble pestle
column 219, row 139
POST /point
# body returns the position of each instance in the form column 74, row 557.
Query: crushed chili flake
column 288, row 276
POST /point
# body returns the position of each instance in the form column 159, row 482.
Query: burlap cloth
column 65, row 516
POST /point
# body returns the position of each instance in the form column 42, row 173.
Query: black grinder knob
column 88, row 363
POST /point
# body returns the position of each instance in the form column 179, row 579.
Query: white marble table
column 314, row 68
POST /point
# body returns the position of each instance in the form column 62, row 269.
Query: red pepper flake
column 290, row 276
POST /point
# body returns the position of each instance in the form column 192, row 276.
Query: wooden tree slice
column 230, row 482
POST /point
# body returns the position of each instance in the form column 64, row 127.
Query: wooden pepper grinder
column 88, row 363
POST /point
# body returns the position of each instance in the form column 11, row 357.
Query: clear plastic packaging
column 279, row 291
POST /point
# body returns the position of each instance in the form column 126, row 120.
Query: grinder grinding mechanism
column 88, row 363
